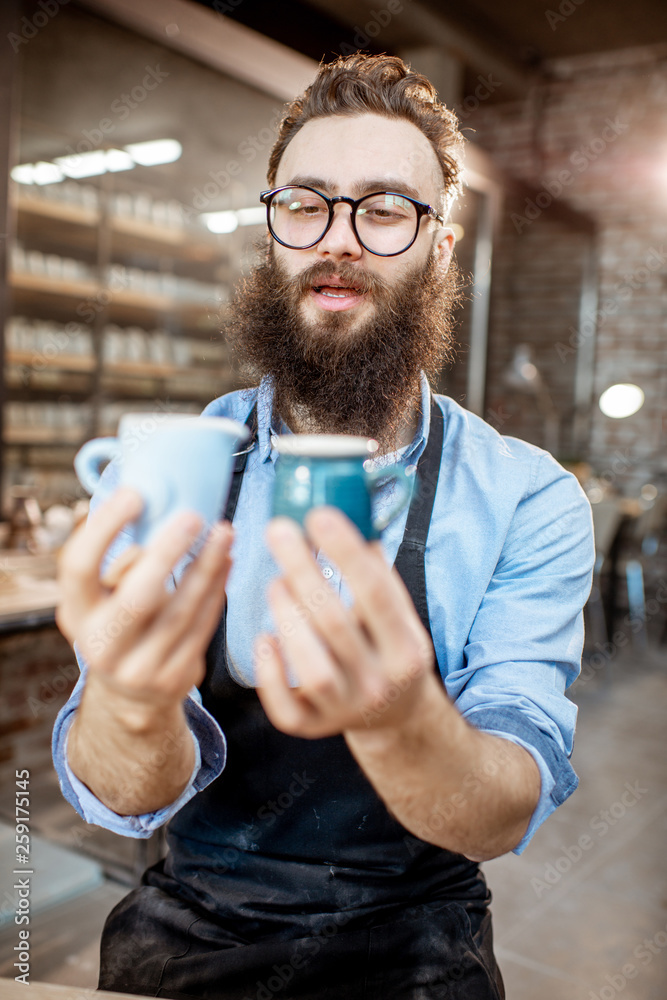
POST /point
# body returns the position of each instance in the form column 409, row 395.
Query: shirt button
column 327, row 572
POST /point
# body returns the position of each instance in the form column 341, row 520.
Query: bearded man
column 328, row 844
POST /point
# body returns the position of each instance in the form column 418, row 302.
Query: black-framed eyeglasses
column 385, row 223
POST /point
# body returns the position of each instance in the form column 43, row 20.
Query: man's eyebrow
column 365, row 186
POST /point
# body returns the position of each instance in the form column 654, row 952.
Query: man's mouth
column 334, row 295
column 336, row 291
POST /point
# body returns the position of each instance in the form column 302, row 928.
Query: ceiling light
column 118, row 159
column 46, row 173
column 79, row 165
column 23, row 173
column 221, row 222
column 254, row 216
column 228, row 221
column 621, row 400
column 150, row 154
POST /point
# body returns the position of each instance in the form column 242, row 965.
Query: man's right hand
column 145, row 649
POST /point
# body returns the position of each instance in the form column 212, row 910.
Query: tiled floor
column 572, row 915
column 567, row 927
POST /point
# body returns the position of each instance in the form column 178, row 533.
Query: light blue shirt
column 509, row 558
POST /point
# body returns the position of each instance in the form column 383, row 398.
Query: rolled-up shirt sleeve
column 210, row 754
column 208, row 738
column 524, row 647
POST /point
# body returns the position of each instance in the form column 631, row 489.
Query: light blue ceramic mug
column 335, row 469
column 175, row 461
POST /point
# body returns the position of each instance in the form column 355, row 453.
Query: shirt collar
column 267, row 426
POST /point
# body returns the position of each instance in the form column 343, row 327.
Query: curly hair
column 383, row 85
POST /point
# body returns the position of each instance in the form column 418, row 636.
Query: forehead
column 348, row 151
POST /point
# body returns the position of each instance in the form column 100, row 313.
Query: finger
column 120, row 566
column 320, row 677
column 382, row 601
column 145, row 581
column 194, row 609
column 167, row 655
column 324, row 609
column 184, row 665
column 286, row 708
column 114, row 625
column 81, row 557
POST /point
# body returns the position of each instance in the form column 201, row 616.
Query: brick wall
column 593, row 138
column 37, row 673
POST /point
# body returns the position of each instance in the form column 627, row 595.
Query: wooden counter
column 11, row 990
column 28, row 589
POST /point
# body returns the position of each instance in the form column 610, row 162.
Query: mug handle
column 87, row 460
column 405, row 482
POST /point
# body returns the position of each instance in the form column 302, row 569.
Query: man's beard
column 342, row 376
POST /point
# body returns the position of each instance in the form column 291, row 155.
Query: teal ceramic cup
column 176, row 462
column 333, row 469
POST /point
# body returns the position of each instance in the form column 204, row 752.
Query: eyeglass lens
column 386, row 223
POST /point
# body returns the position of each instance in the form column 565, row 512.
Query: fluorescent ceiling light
column 46, row 173
column 621, row 400
column 100, row 161
column 221, row 222
column 227, row 222
column 23, row 173
column 83, row 164
column 149, row 154
column 118, row 159
column 254, row 216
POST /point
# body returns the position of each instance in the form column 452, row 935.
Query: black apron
column 287, row 876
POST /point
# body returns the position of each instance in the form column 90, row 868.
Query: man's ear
column 444, row 247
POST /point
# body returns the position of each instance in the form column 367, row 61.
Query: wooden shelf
column 145, row 368
column 129, row 236
column 181, row 385
column 62, row 362
column 123, row 305
column 44, row 435
column 60, row 211
column 23, row 281
column 135, row 235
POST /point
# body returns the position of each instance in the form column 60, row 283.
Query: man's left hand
column 356, row 669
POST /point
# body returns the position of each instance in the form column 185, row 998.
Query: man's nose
column 340, row 241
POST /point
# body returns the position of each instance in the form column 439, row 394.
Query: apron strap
column 410, row 556
column 240, row 464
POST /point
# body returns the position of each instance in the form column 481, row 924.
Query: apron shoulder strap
column 240, row 464
column 410, row 556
